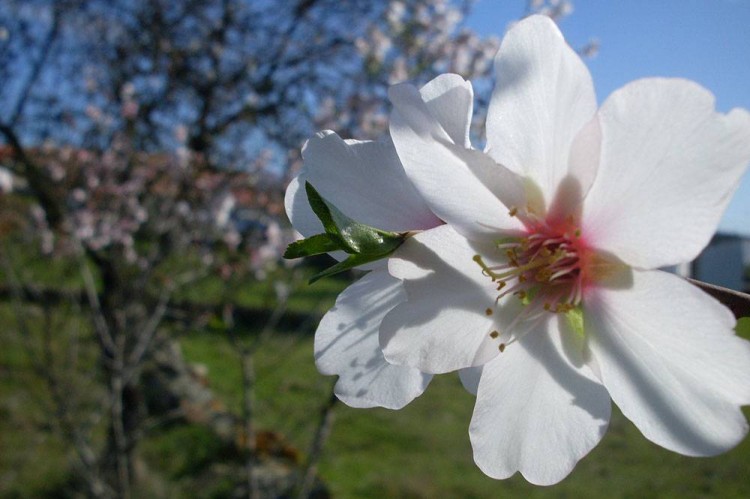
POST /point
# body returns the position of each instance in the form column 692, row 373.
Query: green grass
column 34, row 459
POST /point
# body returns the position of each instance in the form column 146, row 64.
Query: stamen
column 542, row 269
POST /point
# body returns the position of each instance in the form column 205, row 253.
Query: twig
column 248, row 418
column 36, row 68
column 100, row 323
column 118, row 428
column 316, row 450
column 738, row 303
column 148, row 331
column 247, row 367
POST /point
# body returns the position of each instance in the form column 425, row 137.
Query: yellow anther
column 494, row 334
column 488, row 311
column 543, row 275
column 513, row 211
column 501, row 347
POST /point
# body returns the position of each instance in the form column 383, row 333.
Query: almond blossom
column 545, row 280
column 366, row 180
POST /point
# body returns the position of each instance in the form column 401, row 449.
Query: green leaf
column 313, row 245
column 367, row 240
column 321, row 208
column 575, row 320
column 743, row 327
column 351, row 262
column 358, row 238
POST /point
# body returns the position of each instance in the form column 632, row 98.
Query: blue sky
column 707, row 41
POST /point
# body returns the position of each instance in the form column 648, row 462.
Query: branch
column 147, row 333
column 36, row 68
column 316, row 450
column 39, row 182
column 100, row 323
column 738, row 303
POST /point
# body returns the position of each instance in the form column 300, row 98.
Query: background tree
column 149, row 141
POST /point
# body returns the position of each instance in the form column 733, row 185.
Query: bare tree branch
column 322, row 433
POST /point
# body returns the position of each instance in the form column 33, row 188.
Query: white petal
column 346, row 344
column 535, row 412
column 443, row 325
column 365, row 180
column 463, row 187
column 669, row 166
column 470, row 377
column 450, row 99
column 668, row 356
column 298, row 210
column 543, row 96
column 583, row 163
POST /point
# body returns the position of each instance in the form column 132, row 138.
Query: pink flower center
column 544, row 268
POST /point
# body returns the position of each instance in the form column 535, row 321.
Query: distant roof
column 725, row 236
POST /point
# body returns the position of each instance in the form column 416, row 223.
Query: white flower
column 366, row 181
column 546, row 272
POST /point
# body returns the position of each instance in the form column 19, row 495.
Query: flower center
column 543, row 268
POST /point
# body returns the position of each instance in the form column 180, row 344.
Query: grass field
column 424, row 451
column 421, row 451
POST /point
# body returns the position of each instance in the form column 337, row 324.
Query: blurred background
column 153, row 343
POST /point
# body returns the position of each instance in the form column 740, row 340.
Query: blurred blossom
column 180, row 133
column 78, row 195
column 232, row 239
column 127, row 91
column 46, row 236
column 129, row 109
column 268, row 255
column 554, row 9
column 395, row 14
column 416, row 40
column 399, row 72
column 282, row 290
column 6, row 180
column 591, row 49
column 226, row 205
